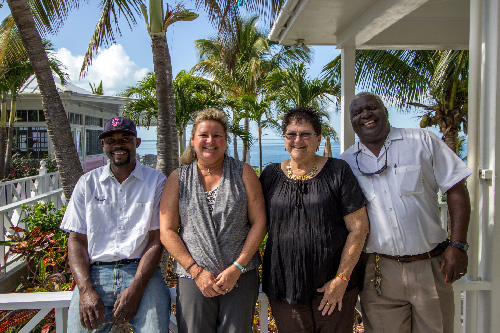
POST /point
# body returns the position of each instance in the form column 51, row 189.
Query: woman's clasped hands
column 211, row 286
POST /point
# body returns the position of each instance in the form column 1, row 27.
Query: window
column 75, row 118
column 93, row 143
column 30, row 115
column 93, row 121
column 34, row 140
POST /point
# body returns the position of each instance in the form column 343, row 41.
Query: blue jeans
column 153, row 314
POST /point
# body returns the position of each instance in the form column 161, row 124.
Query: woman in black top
column 317, row 228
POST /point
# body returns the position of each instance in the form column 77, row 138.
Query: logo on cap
column 115, row 122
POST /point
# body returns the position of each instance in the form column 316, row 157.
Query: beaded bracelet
column 198, row 274
column 343, row 277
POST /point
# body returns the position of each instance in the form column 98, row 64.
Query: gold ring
column 226, row 290
column 327, row 303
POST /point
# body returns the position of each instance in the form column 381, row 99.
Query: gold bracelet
column 343, row 277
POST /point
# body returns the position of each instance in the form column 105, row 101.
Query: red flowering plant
column 42, row 245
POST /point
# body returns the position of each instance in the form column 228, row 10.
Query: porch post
column 348, row 56
column 488, row 202
column 473, row 149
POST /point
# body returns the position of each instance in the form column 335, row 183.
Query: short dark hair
column 300, row 114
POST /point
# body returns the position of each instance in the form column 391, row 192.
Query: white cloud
column 113, row 66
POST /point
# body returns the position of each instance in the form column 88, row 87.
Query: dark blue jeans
column 153, row 314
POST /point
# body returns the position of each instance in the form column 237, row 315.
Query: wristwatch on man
column 462, row 246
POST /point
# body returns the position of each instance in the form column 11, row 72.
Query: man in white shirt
column 114, row 243
column 411, row 263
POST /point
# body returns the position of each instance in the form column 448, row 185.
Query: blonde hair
column 214, row 114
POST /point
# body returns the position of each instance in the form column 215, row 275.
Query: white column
column 473, row 150
column 489, row 159
column 348, row 75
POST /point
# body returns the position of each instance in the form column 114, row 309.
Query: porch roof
column 375, row 24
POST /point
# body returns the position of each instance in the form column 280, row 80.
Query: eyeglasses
column 379, row 171
column 302, row 136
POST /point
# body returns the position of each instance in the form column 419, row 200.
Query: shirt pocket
column 139, row 216
column 366, row 184
column 100, row 218
column 409, row 179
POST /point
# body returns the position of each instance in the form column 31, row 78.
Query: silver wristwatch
column 462, row 246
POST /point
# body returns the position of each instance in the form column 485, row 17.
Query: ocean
column 273, row 150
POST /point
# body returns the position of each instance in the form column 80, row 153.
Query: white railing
column 46, row 301
column 46, row 187
column 25, row 188
column 463, row 288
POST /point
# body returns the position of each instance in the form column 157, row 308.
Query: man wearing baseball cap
column 114, row 243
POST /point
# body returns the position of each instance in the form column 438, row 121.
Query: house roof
column 71, row 92
column 375, row 24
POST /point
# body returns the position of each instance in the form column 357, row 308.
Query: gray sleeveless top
column 214, row 240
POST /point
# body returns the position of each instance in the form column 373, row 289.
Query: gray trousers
column 230, row 313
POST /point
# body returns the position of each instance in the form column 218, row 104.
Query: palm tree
column 143, row 109
column 433, row 80
column 232, row 60
column 96, row 89
column 50, row 14
column 192, row 94
column 260, row 112
column 58, row 126
column 157, row 28
column 294, row 88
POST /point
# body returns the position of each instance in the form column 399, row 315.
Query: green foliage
column 26, row 166
column 47, row 218
column 43, row 246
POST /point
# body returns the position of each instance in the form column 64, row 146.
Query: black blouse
column 306, row 229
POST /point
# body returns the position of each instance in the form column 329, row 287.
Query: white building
column 86, row 113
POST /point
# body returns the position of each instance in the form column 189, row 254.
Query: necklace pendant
column 209, row 171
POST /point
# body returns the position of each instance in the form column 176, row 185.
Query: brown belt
column 427, row 255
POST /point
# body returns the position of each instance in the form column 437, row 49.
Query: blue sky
column 124, row 63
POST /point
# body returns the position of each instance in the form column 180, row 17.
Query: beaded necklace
column 309, row 175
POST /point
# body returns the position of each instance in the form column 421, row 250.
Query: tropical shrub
column 43, row 246
column 26, row 166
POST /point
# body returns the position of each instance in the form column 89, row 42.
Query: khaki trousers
column 414, row 297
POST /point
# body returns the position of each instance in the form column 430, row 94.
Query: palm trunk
column 10, row 138
column 327, row 151
column 244, row 149
column 3, row 125
column 451, row 139
column 166, row 131
column 260, row 149
column 58, row 126
column 235, row 143
column 181, row 144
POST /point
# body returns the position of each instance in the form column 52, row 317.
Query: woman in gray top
column 212, row 221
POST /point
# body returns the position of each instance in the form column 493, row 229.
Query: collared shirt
column 403, row 204
column 115, row 217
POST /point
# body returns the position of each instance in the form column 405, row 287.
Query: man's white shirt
column 403, row 204
column 115, row 217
